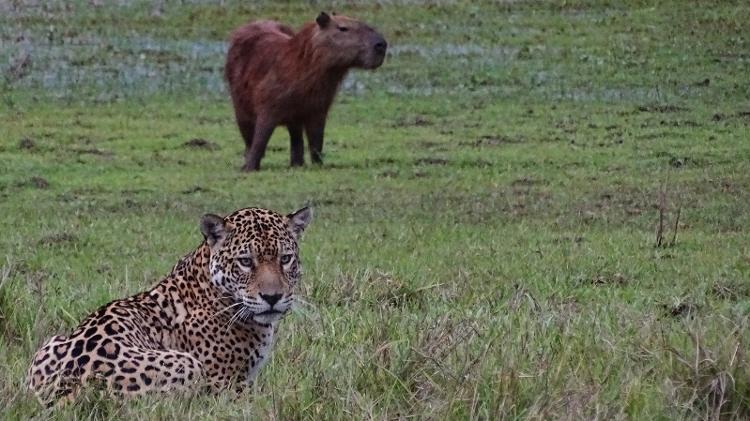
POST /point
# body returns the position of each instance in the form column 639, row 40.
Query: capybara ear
column 323, row 19
column 213, row 229
column 299, row 220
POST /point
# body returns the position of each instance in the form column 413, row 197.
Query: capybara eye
column 245, row 261
column 343, row 28
column 285, row 259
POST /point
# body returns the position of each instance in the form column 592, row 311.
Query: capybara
column 279, row 77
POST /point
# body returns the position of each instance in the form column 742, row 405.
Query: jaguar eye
column 245, row 261
column 285, row 259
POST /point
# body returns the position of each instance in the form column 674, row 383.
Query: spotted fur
column 210, row 322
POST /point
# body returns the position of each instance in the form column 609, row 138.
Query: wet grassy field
column 486, row 242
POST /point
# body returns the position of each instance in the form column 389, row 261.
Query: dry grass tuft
column 711, row 382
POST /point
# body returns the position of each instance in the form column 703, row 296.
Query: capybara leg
column 297, row 146
column 247, row 130
column 315, row 140
column 263, row 132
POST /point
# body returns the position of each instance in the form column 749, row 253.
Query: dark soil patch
column 609, row 279
column 367, row 163
column 195, row 189
column 664, row 108
column 523, row 182
column 661, row 135
column 93, row 151
column 135, row 191
column 680, row 309
column 388, row 174
column 680, row 123
column 339, row 144
column 676, row 162
column 211, row 120
column 568, row 239
column 198, row 143
column 430, row 144
column 476, row 163
column 494, row 140
column 35, row 182
column 614, row 206
column 381, row 161
column 740, row 114
column 520, row 189
column 26, row 144
column 683, row 161
column 727, row 186
column 57, row 239
column 431, row 161
column 704, row 82
column 39, row 182
column 413, row 121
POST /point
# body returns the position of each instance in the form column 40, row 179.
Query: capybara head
column 354, row 43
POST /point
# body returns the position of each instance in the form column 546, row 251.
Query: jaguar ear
column 213, row 229
column 299, row 220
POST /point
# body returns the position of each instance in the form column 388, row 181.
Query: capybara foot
column 249, row 168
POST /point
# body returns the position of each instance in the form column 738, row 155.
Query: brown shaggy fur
column 279, row 77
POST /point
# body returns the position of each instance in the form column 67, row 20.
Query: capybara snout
column 379, row 48
column 373, row 57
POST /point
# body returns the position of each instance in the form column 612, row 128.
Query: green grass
column 483, row 242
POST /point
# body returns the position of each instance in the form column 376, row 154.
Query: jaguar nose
column 271, row 299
